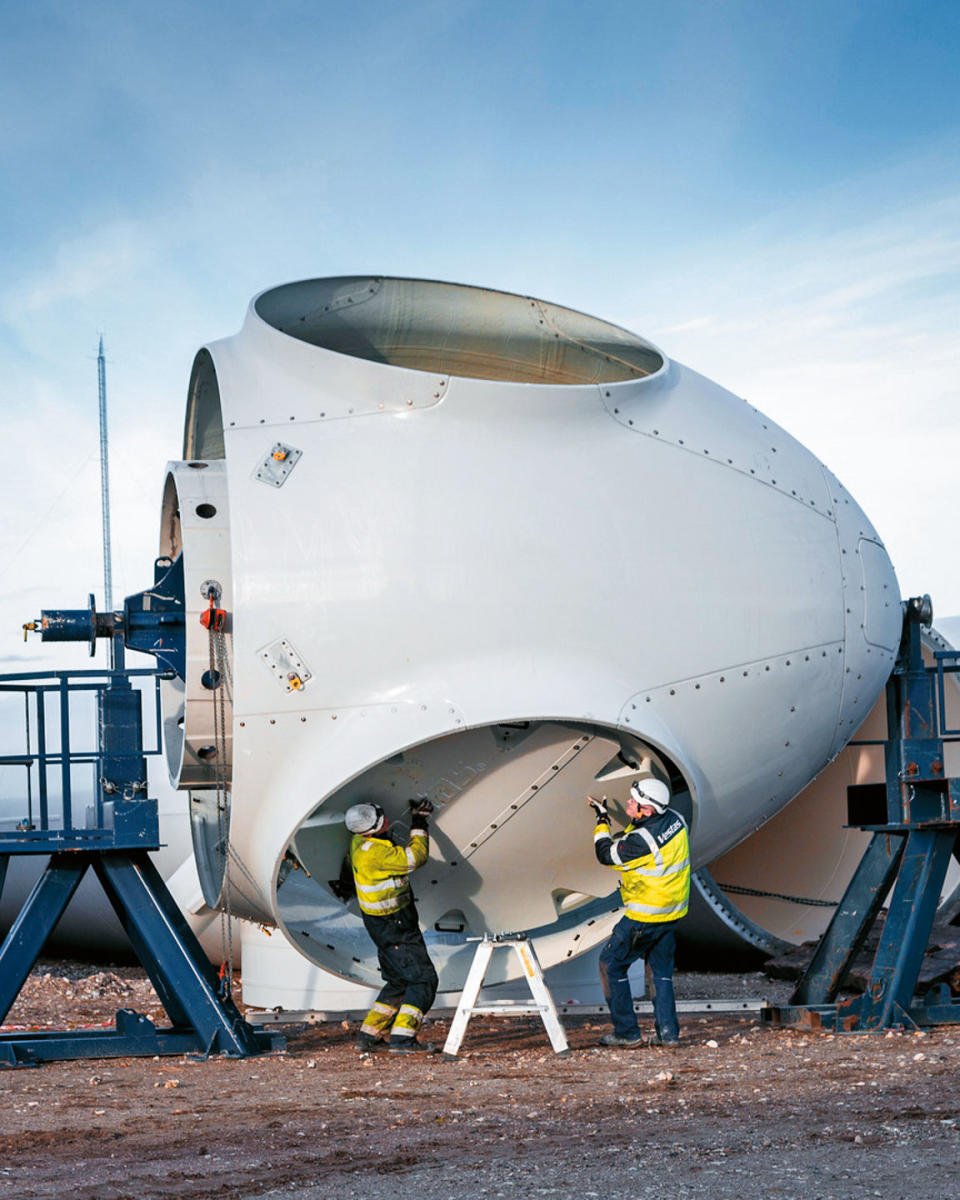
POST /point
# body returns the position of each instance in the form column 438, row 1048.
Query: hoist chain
column 222, row 676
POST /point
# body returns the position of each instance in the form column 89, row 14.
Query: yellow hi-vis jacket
column 653, row 858
column 380, row 870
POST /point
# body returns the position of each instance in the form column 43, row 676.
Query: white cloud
column 846, row 336
column 688, row 326
column 84, row 265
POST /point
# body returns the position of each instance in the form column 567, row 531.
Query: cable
column 73, row 479
column 745, row 891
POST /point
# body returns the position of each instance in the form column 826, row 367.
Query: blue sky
column 769, row 191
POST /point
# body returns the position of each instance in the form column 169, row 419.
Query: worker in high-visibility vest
column 380, row 871
column 653, row 859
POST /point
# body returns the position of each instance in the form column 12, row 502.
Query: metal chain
column 258, row 897
column 220, row 639
column 220, row 674
column 745, row 891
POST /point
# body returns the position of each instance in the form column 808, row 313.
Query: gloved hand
column 599, row 807
column 421, row 807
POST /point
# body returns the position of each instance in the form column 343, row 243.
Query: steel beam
column 852, row 921
column 906, row 931
column 181, row 973
column 43, row 908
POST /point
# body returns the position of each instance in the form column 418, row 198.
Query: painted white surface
column 643, row 565
column 651, row 561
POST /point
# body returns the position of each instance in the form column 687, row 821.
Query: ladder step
column 506, row 1007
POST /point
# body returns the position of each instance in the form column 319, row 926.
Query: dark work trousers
column 409, row 974
column 630, row 940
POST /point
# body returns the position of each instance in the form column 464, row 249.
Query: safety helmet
column 364, row 818
column 651, row 791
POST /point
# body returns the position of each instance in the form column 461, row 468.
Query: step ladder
column 533, row 973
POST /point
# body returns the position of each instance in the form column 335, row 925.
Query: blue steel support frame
column 41, row 911
column 183, row 976
column 906, row 932
column 122, row 827
column 910, row 852
column 851, row 922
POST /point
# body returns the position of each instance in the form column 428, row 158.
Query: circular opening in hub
column 511, row 845
column 453, row 329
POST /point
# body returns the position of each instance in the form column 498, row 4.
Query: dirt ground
column 737, row 1110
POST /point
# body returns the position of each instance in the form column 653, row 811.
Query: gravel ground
column 737, row 1110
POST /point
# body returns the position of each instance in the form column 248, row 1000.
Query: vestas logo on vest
column 669, row 832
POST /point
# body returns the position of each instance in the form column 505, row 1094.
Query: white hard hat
column 363, row 818
column 652, row 792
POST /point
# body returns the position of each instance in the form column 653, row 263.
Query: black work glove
column 420, row 810
column 599, row 808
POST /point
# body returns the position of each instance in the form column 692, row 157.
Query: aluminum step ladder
column 542, row 1004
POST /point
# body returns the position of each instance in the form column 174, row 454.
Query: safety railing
column 49, row 750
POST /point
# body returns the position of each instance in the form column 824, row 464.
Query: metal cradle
column 113, row 840
column 915, row 821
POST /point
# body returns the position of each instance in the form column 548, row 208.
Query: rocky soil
column 739, row 1109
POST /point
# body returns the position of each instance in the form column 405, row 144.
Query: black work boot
column 369, row 1045
column 614, row 1039
column 411, row 1046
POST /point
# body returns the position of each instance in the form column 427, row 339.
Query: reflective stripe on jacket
column 380, row 870
column 653, row 858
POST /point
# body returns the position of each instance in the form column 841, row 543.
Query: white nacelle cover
column 495, row 552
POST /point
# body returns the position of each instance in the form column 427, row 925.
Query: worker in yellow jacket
column 381, row 870
column 653, row 859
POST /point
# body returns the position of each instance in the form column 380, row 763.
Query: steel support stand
column 202, row 1020
column 121, row 827
column 913, row 838
column 41, row 911
column 906, row 932
column 543, row 1004
column 852, row 921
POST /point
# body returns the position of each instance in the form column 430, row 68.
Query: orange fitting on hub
column 214, row 618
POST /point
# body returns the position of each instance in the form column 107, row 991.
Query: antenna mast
column 105, row 483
